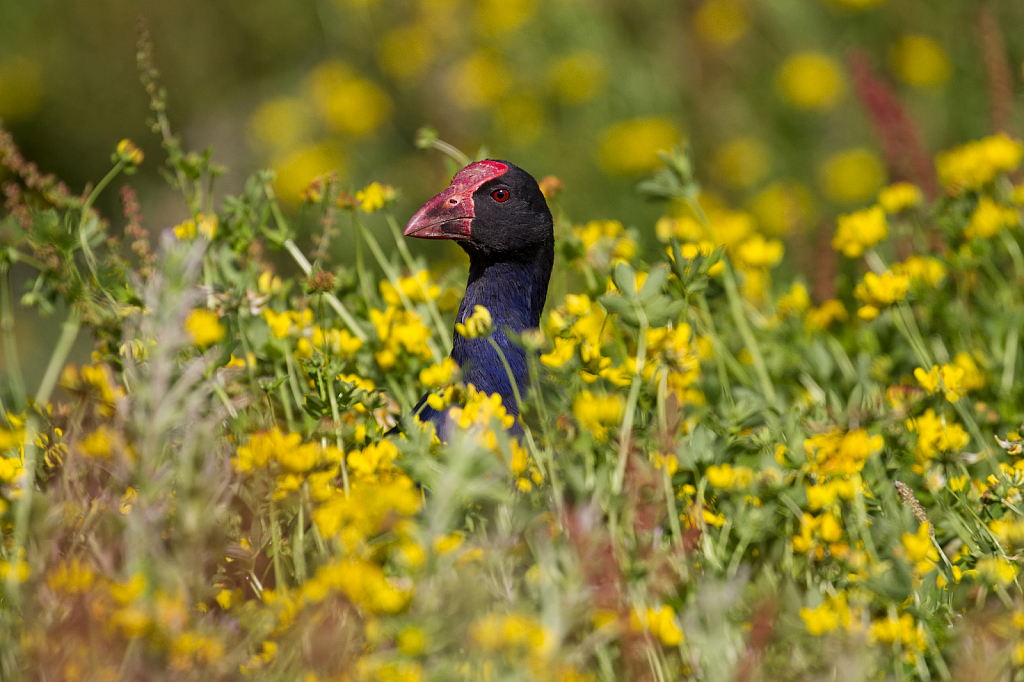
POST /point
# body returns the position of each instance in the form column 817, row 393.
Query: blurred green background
column 588, row 91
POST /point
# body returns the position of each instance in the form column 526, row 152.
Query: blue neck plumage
column 513, row 292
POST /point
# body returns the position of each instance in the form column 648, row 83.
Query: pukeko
column 496, row 212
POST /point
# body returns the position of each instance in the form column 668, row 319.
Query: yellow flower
column 296, row 168
column 279, row 124
column 563, row 351
column 405, row 51
column 98, row 443
column 205, row 225
column 821, row 619
column 596, row 413
column 975, row 164
column 919, row 61
column 882, row 290
column 129, row 153
column 783, row 207
column 811, row 80
column 348, row 103
column 478, row 81
column 899, row 197
column 728, row 477
column 852, row 176
column 989, row 218
column 860, row 230
column 371, row 198
column 818, row 319
column 721, row 22
column 794, row 302
column 936, row 434
column 742, row 162
column 439, row 374
column 997, row 570
column 577, row 77
column 921, row 270
column 204, row 327
column 631, row 147
column 757, row 252
column 973, row 378
column 476, row 325
column 919, row 545
column 841, row 452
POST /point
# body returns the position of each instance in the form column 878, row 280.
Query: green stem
column 336, row 414
column 10, row 345
column 634, row 393
column 275, row 540
column 332, row 300
column 736, row 308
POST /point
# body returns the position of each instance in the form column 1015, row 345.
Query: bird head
column 492, row 208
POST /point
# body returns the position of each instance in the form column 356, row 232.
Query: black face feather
column 513, row 226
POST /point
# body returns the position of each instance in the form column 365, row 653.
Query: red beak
column 449, row 215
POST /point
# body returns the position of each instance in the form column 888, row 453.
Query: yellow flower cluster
column 921, row 270
column 418, row 289
column 878, row 292
column 819, row 318
column 903, row 630
column 204, row 327
column 728, row 477
column 478, row 324
column 859, row 231
column 480, row 409
column 989, row 218
column 899, row 197
column 839, row 452
column 935, row 434
column 660, row 621
column 338, row 343
column 975, row 164
column 820, row 534
column 955, row 379
column 811, row 81
column 596, row 412
column 827, row 616
column 605, row 242
column 205, row 225
column 399, row 330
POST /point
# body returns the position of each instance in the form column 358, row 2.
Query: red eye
column 500, row 194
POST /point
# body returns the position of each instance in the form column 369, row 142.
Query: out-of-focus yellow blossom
column 921, row 270
column 372, row 197
column 205, row 225
column 904, row 630
column 578, row 77
column 796, row 301
column 19, row 568
column 973, row 378
column 21, row 88
column 811, row 80
column 728, row 477
column 348, row 103
column 975, row 164
column 71, row 577
column 605, row 242
column 920, row 550
column 478, row 324
column 827, row 616
column 852, row 176
column 477, row 81
column 479, row 409
column 683, row 228
column 899, row 197
column 783, row 207
column 333, row 342
column 596, row 413
column 818, row 319
column 438, row 375
column 721, row 22
column 510, row 632
column 935, row 434
column 288, row 323
column 631, row 147
column 877, row 292
column 417, row 289
column 496, row 19
column 839, row 452
column 99, row 443
column 758, row 252
column 274, row 446
column 731, row 228
column 997, row 570
column 405, row 51
column 279, row 124
column 820, row 496
column 989, row 218
column 860, row 230
column 919, row 61
column 519, row 118
column 204, row 327
column 295, row 169
column 950, row 378
column 742, row 162
column 399, row 330
column 659, row 621
column 563, row 351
